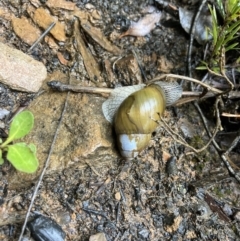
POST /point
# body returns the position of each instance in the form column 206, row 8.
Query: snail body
column 135, row 112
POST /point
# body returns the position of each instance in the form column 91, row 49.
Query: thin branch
column 208, row 87
column 222, row 69
column 230, row 115
column 58, row 86
column 223, row 156
column 227, row 161
column 233, row 145
column 206, row 125
column 191, row 32
column 180, row 139
column 42, row 36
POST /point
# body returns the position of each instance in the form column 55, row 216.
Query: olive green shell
column 138, row 115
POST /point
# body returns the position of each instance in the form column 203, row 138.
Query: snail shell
column 135, row 111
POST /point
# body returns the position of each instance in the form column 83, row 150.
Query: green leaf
column 234, row 25
column 21, row 125
column 22, row 157
column 231, row 36
column 233, row 7
column 231, row 47
column 215, row 25
column 1, row 159
column 221, row 7
column 201, row 68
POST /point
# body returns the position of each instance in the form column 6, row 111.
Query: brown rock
column 24, row 30
column 84, row 136
column 51, row 43
column 6, row 14
column 44, row 19
column 61, row 4
column 20, row 71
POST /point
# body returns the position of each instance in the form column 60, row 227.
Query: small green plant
column 22, row 156
column 225, row 36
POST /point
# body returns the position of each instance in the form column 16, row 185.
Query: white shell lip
column 128, row 147
column 127, row 144
column 129, row 154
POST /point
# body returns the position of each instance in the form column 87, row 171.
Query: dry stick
column 222, row 69
column 206, row 125
column 57, row 85
column 208, row 87
column 44, row 169
column 223, row 156
column 183, row 142
column 227, row 160
column 42, row 36
column 230, row 115
column 191, row 32
column 234, row 143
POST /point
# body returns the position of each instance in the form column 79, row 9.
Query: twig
column 42, row 36
column 44, row 170
column 223, row 156
column 180, row 139
column 230, row 115
column 206, row 125
column 191, row 32
column 57, row 85
column 208, row 87
column 233, row 145
column 222, row 69
column 226, row 161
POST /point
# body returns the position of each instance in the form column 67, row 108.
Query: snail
column 135, row 112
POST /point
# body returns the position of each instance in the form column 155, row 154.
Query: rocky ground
column 88, row 188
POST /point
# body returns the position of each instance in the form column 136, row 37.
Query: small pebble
column 3, row 113
column 98, row 237
column 144, row 233
column 118, row 196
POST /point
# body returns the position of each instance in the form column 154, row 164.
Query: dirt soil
column 90, row 188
